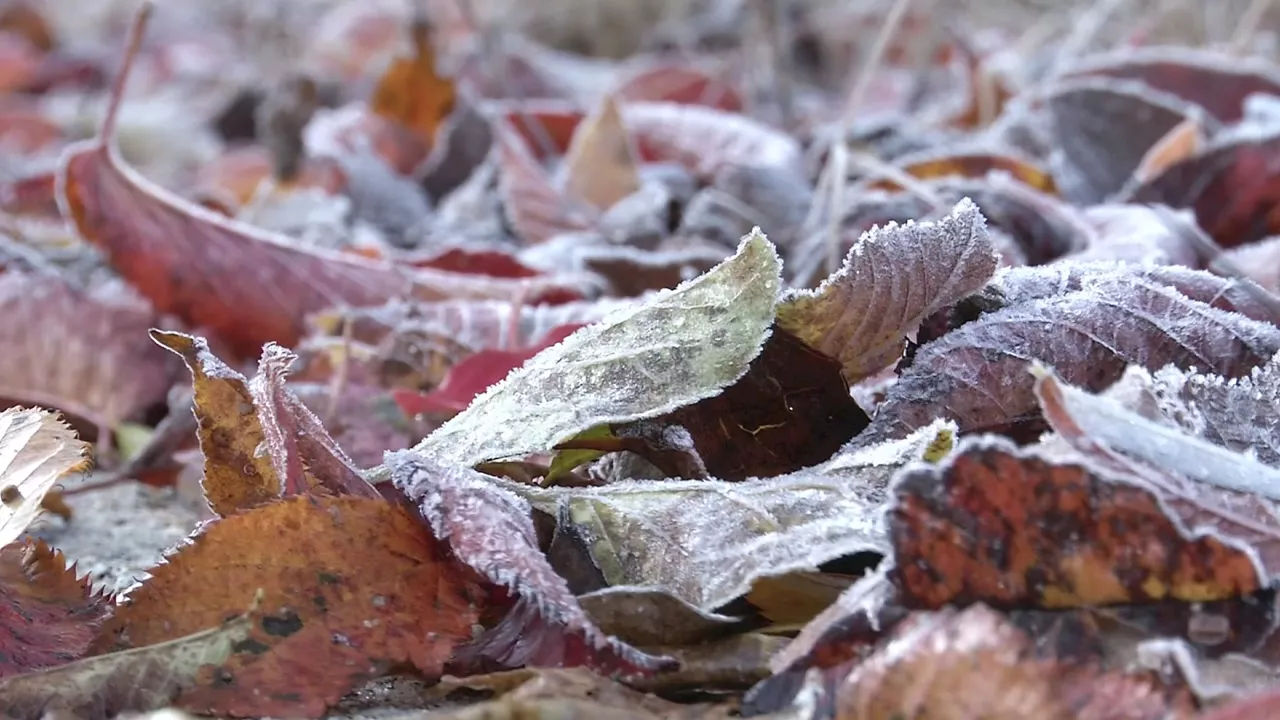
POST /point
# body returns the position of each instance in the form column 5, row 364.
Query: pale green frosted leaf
column 676, row 348
column 706, row 542
column 892, row 279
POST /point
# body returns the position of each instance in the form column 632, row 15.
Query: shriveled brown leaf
column 351, row 587
column 412, row 92
column 600, row 165
column 1182, row 141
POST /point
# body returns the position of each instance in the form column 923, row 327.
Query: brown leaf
column 977, row 374
column 351, row 587
column 1184, row 140
column 36, row 449
column 970, row 165
column 955, row 665
column 1214, row 80
column 600, row 165
column 260, row 443
column 792, row 409
column 48, row 616
column 1013, row 528
column 490, row 529
column 148, row 678
column 1104, row 129
column 247, row 286
column 892, row 279
column 1230, row 185
column 79, row 350
column 412, row 92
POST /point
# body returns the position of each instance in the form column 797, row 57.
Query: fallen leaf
column 478, row 262
column 412, row 92
column 260, row 443
column 1013, row 528
column 77, row 350
column 970, row 165
column 148, row 678
column 891, row 280
column 791, row 409
column 536, row 211
column 1104, row 129
column 675, row 349
column 970, row 663
column 977, row 374
column 48, row 616
column 677, row 83
column 705, row 140
column 1214, row 80
column 706, row 542
column 351, row 587
column 490, row 529
column 1229, row 185
column 600, row 165
column 1182, row 141
column 36, row 449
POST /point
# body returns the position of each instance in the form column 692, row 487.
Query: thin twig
column 835, row 211
column 1247, row 26
column 1085, row 31
column 889, row 28
column 338, row 386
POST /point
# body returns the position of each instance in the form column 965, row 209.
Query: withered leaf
column 1009, row 527
column 706, row 542
column 148, row 678
column 960, row 664
column 48, row 616
column 600, row 165
column 78, row 350
column 260, row 443
column 1201, row 484
column 36, row 449
column 1104, row 129
column 412, row 92
column 491, row 530
column 792, row 409
column 535, row 209
column 705, row 140
column 673, row 349
column 977, row 374
column 892, row 279
column 936, row 165
column 1183, row 140
column 351, row 586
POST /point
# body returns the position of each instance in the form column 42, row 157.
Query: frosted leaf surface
column 893, row 278
column 977, row 374
column 706, row 542
column 676, row 348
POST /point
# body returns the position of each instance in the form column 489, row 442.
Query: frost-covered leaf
column 674, row 349
column 977, row 374
column 706, row 542
column 706, row 140
column 48, row 616
column 148, row 678
column 491, row 530
column 36, row 448
column 893, row 278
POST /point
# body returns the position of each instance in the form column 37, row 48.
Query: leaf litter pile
column 639, row 361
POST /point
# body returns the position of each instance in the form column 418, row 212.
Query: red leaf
column 474, row 375
column 248, row 286
column 536, row 209
column 680, row 84
column 705, row 140
column 47, row 616
column 554, row 121
column 493, row 263
column 491, row 530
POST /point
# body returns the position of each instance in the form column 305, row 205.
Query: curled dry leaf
column 674, row 349
column 706, row 542
column 600, row 165
column 1202, row 484
column 490, row 529
column 48, row 616
column 536, row 211
column 970, row 165
column 36, row 448
column 350, row 587
column 260, row 443
column 140, row 680
column 977, row 374
column 1183, row 141
column 78, row 350
column 1013, row 528
column 959, row 664
column 892, row 279
column 412, row 92
column 1104, row 129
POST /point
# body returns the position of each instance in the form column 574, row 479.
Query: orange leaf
column 974, row 165
column 1185, row 140
column 601, row 162
column 412, row 92
column 351, row 586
